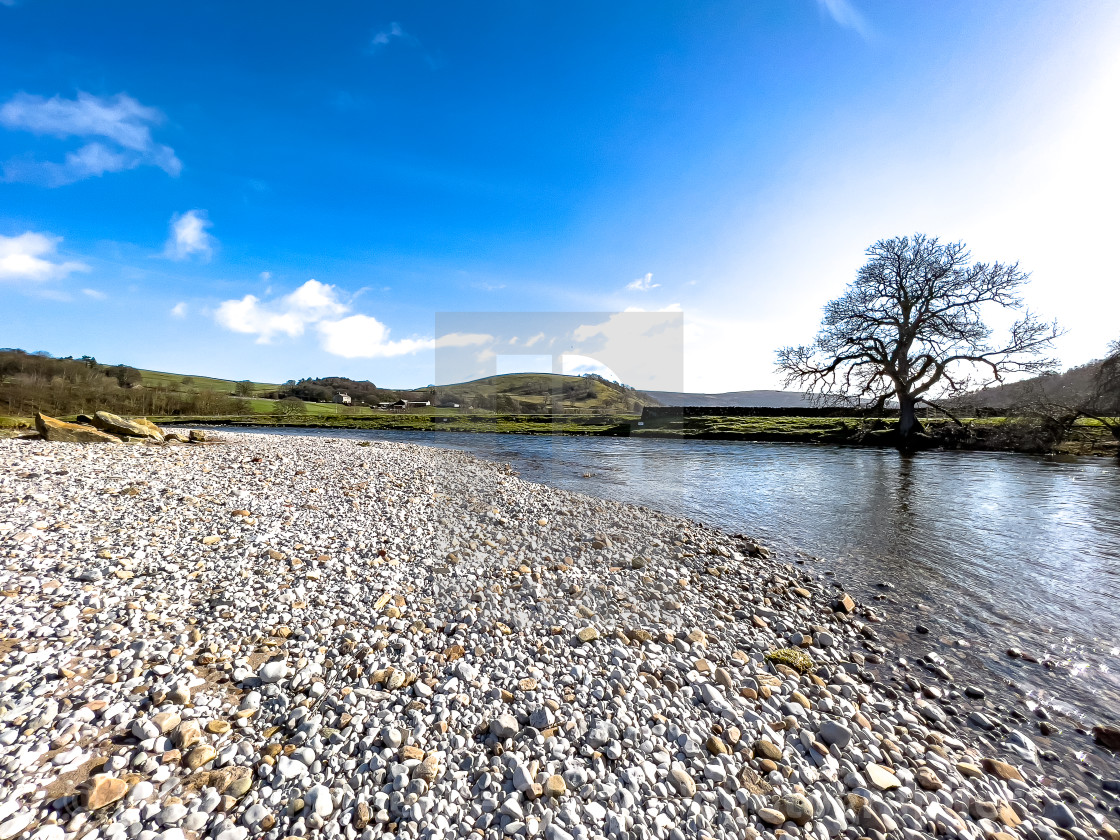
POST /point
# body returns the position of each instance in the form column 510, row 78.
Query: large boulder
column 60, row 430
column 154, row 431
column 117, row 425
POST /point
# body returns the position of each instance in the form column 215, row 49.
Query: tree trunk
column 908, row 424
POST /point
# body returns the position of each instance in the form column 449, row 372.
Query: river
column 1002, row 550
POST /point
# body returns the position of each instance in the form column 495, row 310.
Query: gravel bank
column 276, row 637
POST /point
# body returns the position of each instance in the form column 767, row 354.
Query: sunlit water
column 1005, row 550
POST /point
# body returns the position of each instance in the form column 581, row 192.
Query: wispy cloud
column 123, row 124
column 31, row 257
column 846, row 15
column 395, row 33
column 643, row 284
column 189, row 236
column 179, row 310
column 488, row 287
column 459, row 339
column 96, row 294
column 319, row 305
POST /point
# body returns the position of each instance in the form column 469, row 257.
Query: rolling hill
column 32, row 382
column 540, row 392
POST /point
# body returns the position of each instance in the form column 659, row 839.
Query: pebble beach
column 269, row 636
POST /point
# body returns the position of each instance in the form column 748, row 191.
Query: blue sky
column 174, row 177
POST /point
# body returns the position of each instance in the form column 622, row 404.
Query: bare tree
column 910, row 327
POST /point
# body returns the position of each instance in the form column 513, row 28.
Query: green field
column 518, row 393
column 526, row 403
column 1088, row 437
column 187, row 382
column 545, row 393
column 997, row 433
column 257, row 405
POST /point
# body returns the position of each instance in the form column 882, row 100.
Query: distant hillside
column 537, row 392
column 510, row 393
column 189, row 382
column 745, row 399
column 1070, row 387
column 31, row 382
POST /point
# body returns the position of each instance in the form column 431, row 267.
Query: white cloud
column 120, row 120
column 672, row 307
column 575, row 365
column 364, row 337
column 536, row 338
column 179, row 310
column 846, row 15
column 189, row 236
column 310, row 303
column 643, row 284
column 318, row 304
column 266, row 275
column 96, row 294
column 463, row 339
column 31, row 256
column 642, row 349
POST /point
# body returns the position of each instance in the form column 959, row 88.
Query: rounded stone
column 103, row 790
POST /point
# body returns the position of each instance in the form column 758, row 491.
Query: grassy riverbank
column 1087, row 437
column 1010, row 434
column 522, row 424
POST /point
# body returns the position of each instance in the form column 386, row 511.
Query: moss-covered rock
column 792, row 658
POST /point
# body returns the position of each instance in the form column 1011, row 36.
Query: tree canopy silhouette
column 911, row 327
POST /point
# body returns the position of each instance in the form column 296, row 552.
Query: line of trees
column 1051, row 406
column 31, row 382
column 323, row 389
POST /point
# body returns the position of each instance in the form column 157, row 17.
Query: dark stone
column 1107, row 736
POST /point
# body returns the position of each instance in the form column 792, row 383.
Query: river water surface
column 1003, row 551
